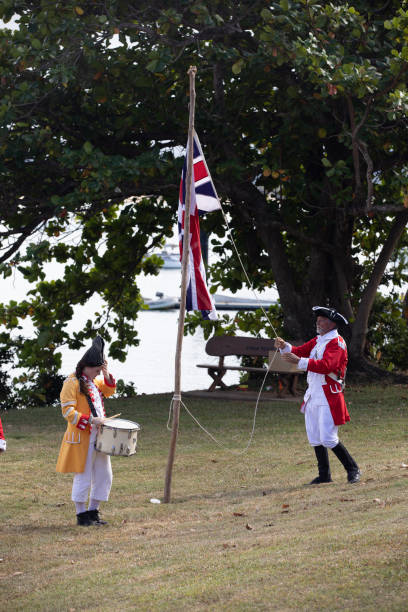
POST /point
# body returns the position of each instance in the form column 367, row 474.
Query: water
column 150, row 366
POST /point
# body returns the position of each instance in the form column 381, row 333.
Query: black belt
column 91, row 406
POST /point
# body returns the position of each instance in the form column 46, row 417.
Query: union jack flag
column 203, row 199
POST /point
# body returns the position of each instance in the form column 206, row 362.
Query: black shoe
column 351, row 467
column 323, row 465
column 320, row 480
column 354, row 476
column 84, row 519
column 95, row 518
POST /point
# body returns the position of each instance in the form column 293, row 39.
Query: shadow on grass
column 237, row 494
column 27, row 528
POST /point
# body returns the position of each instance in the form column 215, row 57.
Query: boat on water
column 161, row 302
column 171, row 257
column 226, row 302
column 222, row 302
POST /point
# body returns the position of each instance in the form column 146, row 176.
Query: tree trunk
column 360, row 326
column 329, row 275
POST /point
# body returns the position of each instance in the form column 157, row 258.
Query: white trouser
column 97, row 474
column 320, row 427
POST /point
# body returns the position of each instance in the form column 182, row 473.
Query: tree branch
column 369, row 293
column 16, row 245
column 369, row 174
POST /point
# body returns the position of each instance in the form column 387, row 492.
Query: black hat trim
column 329, row 313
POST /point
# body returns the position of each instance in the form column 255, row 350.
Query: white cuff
column 3, row 445
column 287, row 349
column 303, row 363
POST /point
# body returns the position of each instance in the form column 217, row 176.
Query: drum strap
column 91, row 406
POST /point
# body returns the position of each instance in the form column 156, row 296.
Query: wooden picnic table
column 224, row 346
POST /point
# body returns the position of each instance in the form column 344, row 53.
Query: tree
column 302, row 111
column 82, row 182
column 333, row 204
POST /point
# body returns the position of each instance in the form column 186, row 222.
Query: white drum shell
column 117, row 438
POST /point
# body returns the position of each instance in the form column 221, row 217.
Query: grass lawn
column 242, row 531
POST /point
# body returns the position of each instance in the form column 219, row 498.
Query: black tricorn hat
column 94, row 356
column 329, row 313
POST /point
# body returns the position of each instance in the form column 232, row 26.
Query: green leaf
column 267, row 14
column 152, row 65
column 88, row 147
column 237, row 67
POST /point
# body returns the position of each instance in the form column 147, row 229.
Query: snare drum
column 117, row 437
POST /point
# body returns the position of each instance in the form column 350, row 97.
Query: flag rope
column 221, row 444
column 254, row 293
column 176, row 397
column 217, row 442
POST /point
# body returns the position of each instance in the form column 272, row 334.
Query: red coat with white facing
column 2, row 440
column 334, row 361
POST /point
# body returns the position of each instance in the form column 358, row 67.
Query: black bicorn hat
column 330, row 313
column 94, row 356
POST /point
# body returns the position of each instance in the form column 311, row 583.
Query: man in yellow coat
column 82, row 406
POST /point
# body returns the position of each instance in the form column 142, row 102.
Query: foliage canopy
column 302, row 112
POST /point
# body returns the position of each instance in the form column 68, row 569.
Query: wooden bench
column 222, row 346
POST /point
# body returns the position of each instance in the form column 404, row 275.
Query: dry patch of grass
column 242, row 531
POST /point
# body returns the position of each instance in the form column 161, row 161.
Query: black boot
column 84, row 519
column 95, row 518
column 351, row 467
column 323, row 465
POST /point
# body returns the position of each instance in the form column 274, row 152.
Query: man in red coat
column 3, row 443
column 325, row 360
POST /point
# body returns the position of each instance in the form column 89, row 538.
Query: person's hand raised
column 98, row 421
column 279, row 343
column 105, row 372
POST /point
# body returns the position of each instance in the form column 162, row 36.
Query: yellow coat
column 74, row 447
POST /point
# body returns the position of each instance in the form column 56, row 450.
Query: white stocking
column 80, row 507
column 93, row 504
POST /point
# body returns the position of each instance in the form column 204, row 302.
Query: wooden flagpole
column 184, row 265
